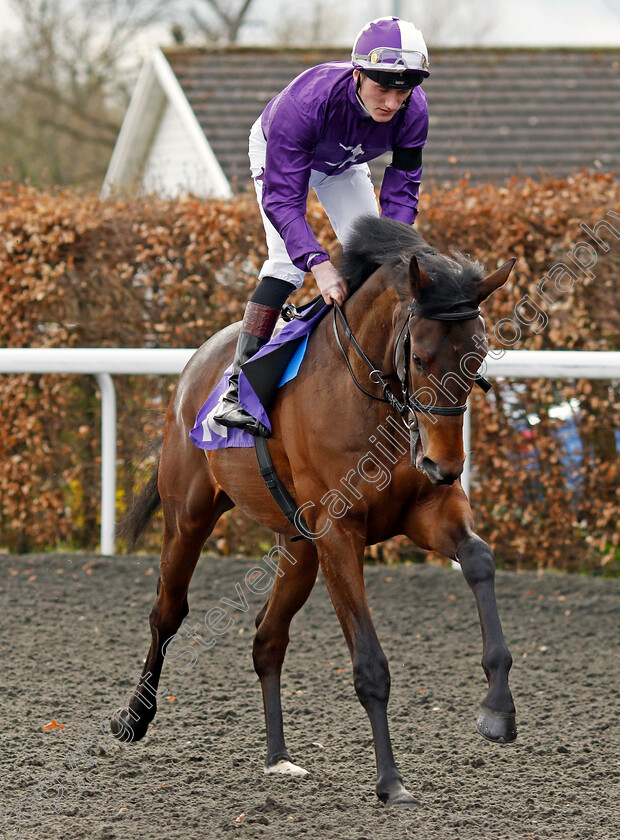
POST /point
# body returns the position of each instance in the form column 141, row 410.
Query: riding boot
column 256, row 329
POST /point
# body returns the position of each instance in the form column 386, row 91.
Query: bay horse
column 414, row 319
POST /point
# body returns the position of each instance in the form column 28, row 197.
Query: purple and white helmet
column 391, row 46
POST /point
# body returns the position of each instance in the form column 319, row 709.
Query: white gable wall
column 161, row 148
column 173, row 165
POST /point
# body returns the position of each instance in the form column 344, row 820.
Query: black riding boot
column 258, row 323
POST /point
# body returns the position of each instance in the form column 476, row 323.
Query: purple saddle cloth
column 275, row 364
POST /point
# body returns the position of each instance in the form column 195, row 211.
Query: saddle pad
column 275, row 364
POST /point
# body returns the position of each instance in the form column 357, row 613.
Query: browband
column 467, row 315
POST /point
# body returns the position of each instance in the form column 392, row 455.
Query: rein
column 409, row 403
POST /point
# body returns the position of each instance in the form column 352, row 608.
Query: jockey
column 320, row 132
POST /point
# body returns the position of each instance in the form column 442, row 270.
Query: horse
column 397, row 367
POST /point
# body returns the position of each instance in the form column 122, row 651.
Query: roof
column 494, row 113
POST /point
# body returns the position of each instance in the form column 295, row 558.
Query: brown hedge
column 78, row 272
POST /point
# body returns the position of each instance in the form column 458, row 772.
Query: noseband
column 409, row 403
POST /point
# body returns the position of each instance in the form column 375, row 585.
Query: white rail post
column 108, row 462
column 466, row 475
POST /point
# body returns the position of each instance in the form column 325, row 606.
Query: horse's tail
column 142, row 510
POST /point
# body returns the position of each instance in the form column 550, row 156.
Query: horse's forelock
column 377, row 241
column 454, row 280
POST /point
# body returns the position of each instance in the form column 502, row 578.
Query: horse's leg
column 189, row 518
column 445, row 525
column 341, row 555
column 290, row 591
column 496, row 719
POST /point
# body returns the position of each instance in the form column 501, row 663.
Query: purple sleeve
column 291, row 139
column 399, row 190
column 399, row 194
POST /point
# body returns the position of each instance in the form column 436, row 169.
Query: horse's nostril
column 432, row 470
column 437, row 475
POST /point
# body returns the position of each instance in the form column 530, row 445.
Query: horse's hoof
column 125, row 728
column 499, row 727
column 286, row 768
column 397, row 796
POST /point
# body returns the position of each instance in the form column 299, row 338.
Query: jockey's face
column 382, row 103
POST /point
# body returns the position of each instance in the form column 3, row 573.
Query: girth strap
column 280, row 494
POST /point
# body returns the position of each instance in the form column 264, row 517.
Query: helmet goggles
column 391, row 52
column 407, row 80
column 391, row 58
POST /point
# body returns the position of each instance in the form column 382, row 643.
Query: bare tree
column 65, row 84
column 443, row 22
column 452, row 22
column 221, row 21
column 321, row 25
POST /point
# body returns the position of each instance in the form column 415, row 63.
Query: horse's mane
column 377, row 241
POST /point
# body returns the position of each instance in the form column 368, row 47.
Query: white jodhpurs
column 344, row 198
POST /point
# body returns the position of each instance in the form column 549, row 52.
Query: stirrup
column 236, row 417
column 289, row 312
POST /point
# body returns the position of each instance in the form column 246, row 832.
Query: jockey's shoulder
column 320, row 83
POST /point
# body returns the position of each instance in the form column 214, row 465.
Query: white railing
column 103, row 362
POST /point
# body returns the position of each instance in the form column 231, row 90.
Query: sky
column 556, row 23
column 516, row 22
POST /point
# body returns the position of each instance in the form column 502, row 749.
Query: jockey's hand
column 331, row 285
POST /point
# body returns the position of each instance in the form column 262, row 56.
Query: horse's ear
column 418, row 277
column 489, row 284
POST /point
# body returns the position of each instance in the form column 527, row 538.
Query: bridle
column 409, row 402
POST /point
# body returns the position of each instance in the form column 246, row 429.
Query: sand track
column 74, row 629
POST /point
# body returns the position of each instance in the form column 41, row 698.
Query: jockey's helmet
column 391, row 52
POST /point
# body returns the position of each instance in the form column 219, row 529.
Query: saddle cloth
column 275, row 364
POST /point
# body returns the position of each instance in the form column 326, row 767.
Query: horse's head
column 438, row 341
column 446, row 346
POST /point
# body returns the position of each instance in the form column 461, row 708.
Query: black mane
column 377, row 241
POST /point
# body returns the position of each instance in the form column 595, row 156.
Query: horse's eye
column 417, row 361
